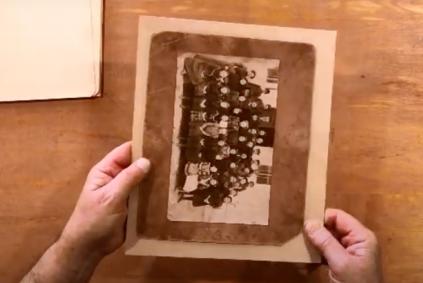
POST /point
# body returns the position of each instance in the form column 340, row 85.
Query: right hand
column 97, row 225
column 351, row 250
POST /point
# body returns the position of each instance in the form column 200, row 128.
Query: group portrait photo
column 224, row 129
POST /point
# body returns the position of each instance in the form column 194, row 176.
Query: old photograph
column 223, row 136
column 234, row 119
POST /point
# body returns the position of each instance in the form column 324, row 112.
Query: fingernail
column 311, row 226
column 144, row 164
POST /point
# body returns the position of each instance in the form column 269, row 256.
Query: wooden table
column 376, row 153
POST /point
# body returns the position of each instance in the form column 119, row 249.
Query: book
column 50, row 49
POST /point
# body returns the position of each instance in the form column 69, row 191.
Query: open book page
column 50, row 49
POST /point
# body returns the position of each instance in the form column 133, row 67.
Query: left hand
column 96, row 227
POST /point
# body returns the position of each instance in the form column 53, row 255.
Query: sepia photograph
column 225, row 113
column 229, row 136
column 223, row 137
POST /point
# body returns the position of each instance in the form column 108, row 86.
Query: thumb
column 128, row 178
column 326, row 243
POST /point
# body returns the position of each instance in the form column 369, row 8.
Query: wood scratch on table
column 373, row 19
column 404, row 83
column 372, row 105
column 133, row 11
column 180, row 8
column 414, row 8
column 364, row 6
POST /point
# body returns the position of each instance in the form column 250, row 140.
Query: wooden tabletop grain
column 376, row 151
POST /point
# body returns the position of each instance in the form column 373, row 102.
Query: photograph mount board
column 202, row 214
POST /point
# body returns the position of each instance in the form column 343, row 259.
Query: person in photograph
column 211, row 196
column 237, row 73
column 255, row 91
column 256, row 105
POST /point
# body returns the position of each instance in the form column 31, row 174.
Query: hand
column 350, row 249
column 96, row 227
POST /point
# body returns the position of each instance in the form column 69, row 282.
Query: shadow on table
column 207, row 270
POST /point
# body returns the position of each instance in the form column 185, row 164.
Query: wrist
column 75, row 250
column 64, row 262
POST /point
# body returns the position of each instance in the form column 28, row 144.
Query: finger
column 128, row 178
column 105, row 170
column 344, row 224
column 115, row 161
column 351, row 239
column 326, row 243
